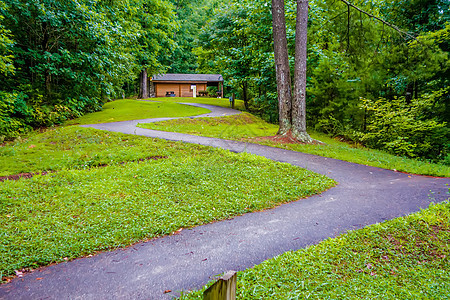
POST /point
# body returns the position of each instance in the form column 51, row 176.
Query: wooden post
column 222, row 289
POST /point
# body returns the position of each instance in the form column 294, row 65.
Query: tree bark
column 45, row 48
column 245, row 94
column 299, row 99
column 143, row 91
column 283, row 74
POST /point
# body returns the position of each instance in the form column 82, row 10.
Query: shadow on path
column 364, row 195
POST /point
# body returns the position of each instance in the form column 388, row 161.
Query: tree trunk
column 143, row 91
column 299, row 99
column 45, row 48
column 283, row 74
column 245, row 94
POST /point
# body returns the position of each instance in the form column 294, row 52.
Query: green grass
column 376, row 158
column 236, row 127
column 245, row 127
column 125, row 110
column 223, row 102
column 74, row 148
column 405, row 258
column 81, row 209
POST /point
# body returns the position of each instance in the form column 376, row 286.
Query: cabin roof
column 188, row 77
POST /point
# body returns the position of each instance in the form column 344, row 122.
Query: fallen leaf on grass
column 178, row 231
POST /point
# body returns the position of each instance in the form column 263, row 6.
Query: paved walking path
column 365, row 195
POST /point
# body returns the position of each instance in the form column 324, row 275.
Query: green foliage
column 70, row 57
column 82, row 209
column 14, row 114
column 237, row 43
column 350, row 56
column 398, row 259
column 70, row 48
column 403, row 128
column 190, row 16
column 212, row 91
column 157, row 22
column 6, row 45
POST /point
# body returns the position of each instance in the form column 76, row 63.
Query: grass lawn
column 223, row 102
column 124, row 110
column 405, row 258
column 236, row 127
column 247, row 127
column 111, row 190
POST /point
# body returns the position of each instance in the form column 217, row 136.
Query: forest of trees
column 366, row 81
column 61, row 59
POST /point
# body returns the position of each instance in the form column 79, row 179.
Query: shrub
column 15, row 115
column 20, row 113
column 212, row 91
column 405, row 128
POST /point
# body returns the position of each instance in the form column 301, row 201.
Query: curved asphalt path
column 364, row 195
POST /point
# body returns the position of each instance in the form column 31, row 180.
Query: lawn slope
column 223, row 102
column 127, row 109
column 109, row 190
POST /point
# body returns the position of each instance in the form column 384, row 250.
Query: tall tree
column 292, row 108
column 236, row 43
column 157, row 22
column 70, row 57
column 282, row 68
column 299, row 100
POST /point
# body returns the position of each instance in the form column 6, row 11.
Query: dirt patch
column 21, row 175
column 275, row 139
column 279, row 139
column 30, row 175
column 147, row 158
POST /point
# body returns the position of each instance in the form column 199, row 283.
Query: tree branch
column 401, row 32
column 329, row 20
column 348, row 28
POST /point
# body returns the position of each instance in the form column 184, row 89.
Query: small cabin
column 186, row 85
